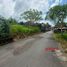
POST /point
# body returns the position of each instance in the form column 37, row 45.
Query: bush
column 22, row 31
column 62, row 40
column 64, row 36
column 60, row 36
column 4, row 30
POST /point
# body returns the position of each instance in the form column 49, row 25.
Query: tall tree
column 32, row 15
column 58, row 14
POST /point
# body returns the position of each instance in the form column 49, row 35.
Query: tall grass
column 61, row 39
column 22, row 31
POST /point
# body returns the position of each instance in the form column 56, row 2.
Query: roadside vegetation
column 62, row 40
column 21, row 31
column 12, row 30
column 57, row 14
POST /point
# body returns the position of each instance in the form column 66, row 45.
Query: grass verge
column 62, row 40
column 20, row 31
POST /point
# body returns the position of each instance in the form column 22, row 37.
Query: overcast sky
column 15, row 7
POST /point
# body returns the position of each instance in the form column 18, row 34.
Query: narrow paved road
column 30, row 52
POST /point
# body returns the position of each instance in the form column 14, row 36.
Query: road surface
column 30, row 52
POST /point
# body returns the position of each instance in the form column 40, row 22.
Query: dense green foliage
column 62, row 40
column 21, row 31
column 64, row 37
column 10, row 29
column 32, row 15
column 4, row 29
column 57, row 13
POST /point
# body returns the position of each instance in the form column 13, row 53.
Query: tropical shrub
column 22, row 31
column 4, row 30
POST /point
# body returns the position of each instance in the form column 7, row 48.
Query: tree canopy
column 32, row 15
column 57, row 13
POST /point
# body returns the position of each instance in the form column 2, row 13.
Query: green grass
column 64, row 36
column 20, row 30
column 61, row 39
column 60, row 36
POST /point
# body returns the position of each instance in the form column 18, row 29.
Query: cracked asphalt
column 30, row 52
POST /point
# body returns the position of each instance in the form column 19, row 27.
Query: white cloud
column 56, row 3
column 15, row 7
column 7, row 7
column 23, row 5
